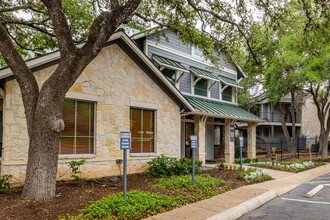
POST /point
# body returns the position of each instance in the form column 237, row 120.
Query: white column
column 251, row 135
column 229, row 145
column 201, row 141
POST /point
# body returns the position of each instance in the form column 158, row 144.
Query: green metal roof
column 230, row 81
column 166, row 61
column 221, row 109
column 203, row 72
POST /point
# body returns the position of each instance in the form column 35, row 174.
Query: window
column 170, row 75
column 227, row 94
column 142, row 130
column 78, row 134
column 201, row 87
column 197, row 52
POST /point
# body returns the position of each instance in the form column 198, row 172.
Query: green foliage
column 5, row 182
column 237, row 152
column 38, row 37
column 259, row 179
column 202, row 182
column 138, row 204
column 75, row 168
column 163, row 166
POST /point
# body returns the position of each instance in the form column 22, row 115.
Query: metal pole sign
column 125, row 144
column 241, row 149
column 193, row 144
column 309, row 146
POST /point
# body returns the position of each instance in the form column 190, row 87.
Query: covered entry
column 214, row 124
column 215, row 139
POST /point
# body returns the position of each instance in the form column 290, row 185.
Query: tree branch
column 229, row 22
column 61, row 27
column 26, row 80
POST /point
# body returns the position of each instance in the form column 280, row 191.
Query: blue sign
column 241, row 141
column 125, row 140
column 308, row 136
column 193, row 139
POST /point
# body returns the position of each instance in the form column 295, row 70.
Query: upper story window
column 78, row 134
column 201, row 87
column 227, row 94
column 170, row 75
column 196, row 52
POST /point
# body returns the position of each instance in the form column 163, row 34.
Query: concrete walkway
column 215, row 207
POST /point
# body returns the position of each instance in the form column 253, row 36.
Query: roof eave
column 225, row 116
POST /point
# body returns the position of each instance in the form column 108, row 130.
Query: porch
column 214, row 124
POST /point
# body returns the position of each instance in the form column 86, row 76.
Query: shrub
column 163, row 166
column 202, row 182
column 75, row 168
column 237, row 152
column 5, row 183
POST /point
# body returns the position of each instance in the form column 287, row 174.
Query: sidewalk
column 282, row 183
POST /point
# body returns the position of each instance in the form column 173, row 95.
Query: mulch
column 71, row 196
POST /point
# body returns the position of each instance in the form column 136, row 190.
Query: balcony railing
column 275, row 117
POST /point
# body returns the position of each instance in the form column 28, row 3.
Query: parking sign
column 125, row 140
column 193, row 139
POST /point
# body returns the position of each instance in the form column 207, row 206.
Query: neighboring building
column 123, row 89
column 270, row 113
column 310, row 121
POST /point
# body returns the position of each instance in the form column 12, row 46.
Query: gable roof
column 141, row 34
column 132, row 50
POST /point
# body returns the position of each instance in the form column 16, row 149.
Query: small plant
column 273, row 151
column 5, row 182
column 75, row 168
column 237, row 152
column 163, row 166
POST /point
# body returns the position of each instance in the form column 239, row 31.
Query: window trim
column 94, row 125
column 149, row 107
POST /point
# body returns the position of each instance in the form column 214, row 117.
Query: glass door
column 219, row 141
column 189, row 130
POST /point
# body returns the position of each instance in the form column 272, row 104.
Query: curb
column 245, row 207
column 311, row 193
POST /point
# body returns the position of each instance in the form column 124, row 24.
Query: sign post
column 241, row 149
column 125, row 144
column 193, row 139
column 309, row 146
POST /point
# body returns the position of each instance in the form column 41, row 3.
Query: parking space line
column 307, row 201
column 319, row 182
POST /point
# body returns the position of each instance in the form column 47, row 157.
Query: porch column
column 229, row 144
column 200, row 129
column 251, row 135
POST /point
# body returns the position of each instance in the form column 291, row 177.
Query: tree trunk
column 284, row 127
column 293, row 121
column 324, row 144
column 267, row 145
column 42, row 164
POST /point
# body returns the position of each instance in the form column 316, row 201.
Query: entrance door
column 189, row 130
column 219, row 141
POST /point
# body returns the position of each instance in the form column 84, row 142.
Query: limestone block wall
column 310, row 121
column 115, row 83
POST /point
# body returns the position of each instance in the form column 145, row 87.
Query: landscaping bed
column 288, row 166
column 71, row 196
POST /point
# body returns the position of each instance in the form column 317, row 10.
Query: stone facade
column 310, row 121
column 115, row 83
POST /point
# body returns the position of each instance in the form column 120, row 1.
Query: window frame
column 194, row 87
column 94, row 103
column 155, row 128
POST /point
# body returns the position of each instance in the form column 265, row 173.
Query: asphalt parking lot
column 294, row 205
